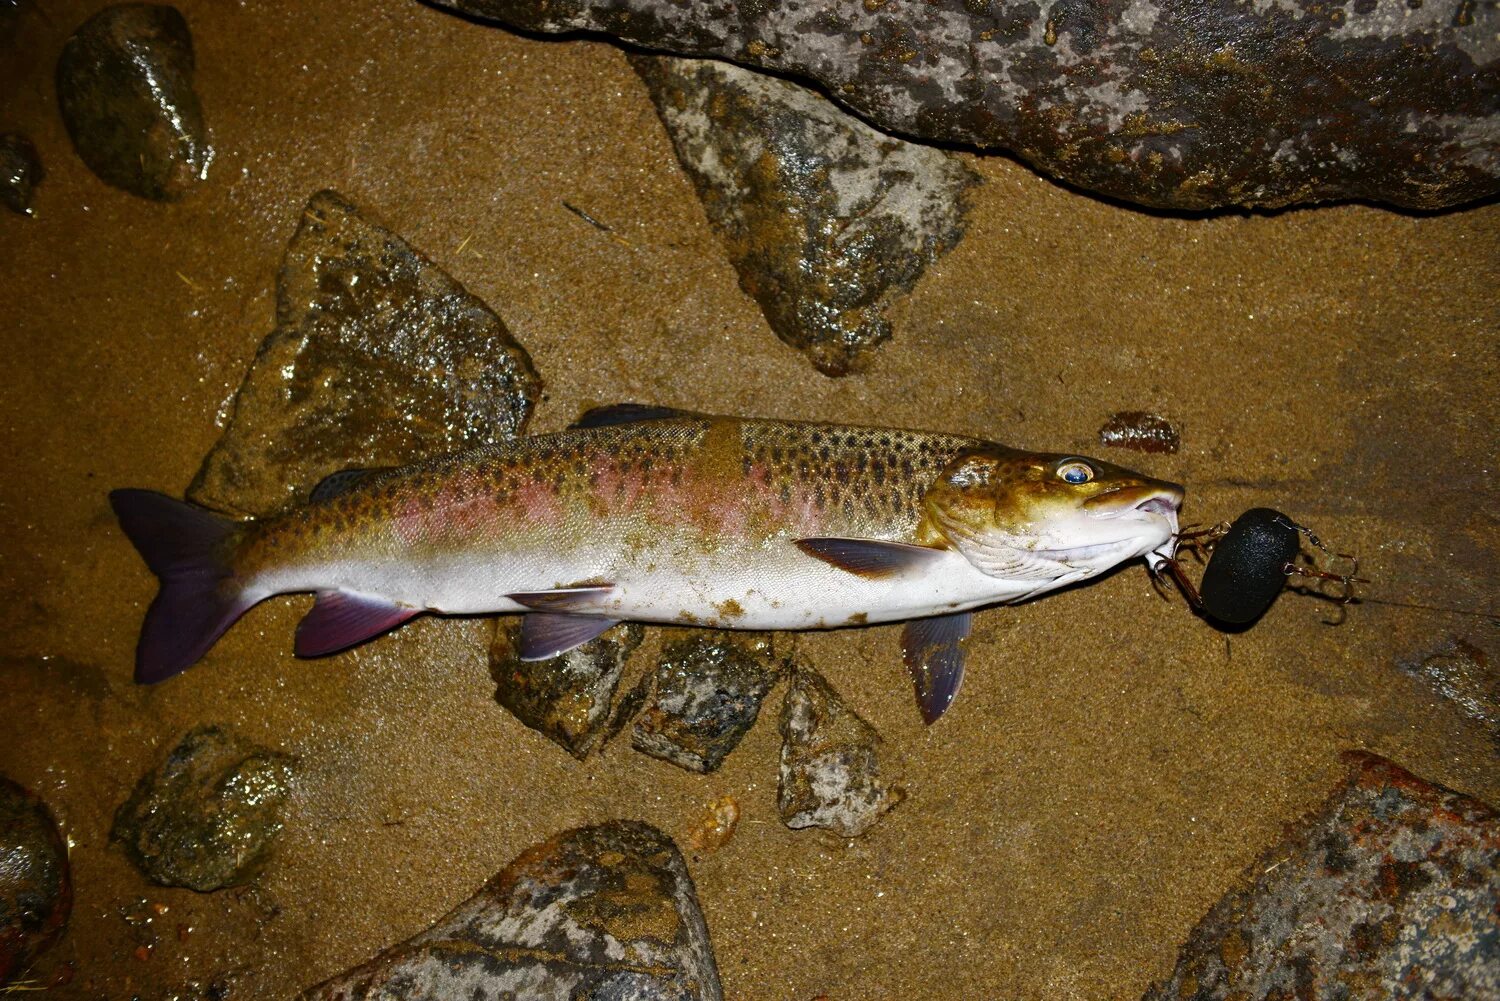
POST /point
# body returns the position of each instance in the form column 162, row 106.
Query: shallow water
column 1112, row 762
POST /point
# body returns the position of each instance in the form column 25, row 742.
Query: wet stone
column 833, row 767
column 1463, row 674
column 209, row 815
column 567, row 698
column 708, row 688
column 36, row 890
column 605, row 912
column 826, row 220
column 1390, row 890
column 1171, row 103
column 378, row 359
column 1141, row 432
column 20, row 172
column 125, row 83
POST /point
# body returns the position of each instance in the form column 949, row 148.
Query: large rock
column 708, row 687
column 378, row 359
column 606, row 912
column 1174, row 103
column 566, row 698
column 833, row 772
column 36, row 889
column 125, row 83
column 826, row 220
column 208, row 816
column 1390, row 890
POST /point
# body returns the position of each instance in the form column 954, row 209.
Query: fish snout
column 1158, row 498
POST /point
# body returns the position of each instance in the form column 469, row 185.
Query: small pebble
column 20, row 172
column 1140, row 431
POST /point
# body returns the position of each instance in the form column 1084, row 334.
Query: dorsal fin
column 625, row 413
column 341, row 482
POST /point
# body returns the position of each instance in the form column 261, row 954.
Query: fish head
column 1049, row 518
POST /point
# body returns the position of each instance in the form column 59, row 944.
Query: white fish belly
column 771, row 587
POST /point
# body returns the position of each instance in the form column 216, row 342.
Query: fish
column 650, row 514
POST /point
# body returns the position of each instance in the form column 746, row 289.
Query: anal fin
column 340, row 620
column 873, row 559
column 933, row 649
column 545, row 635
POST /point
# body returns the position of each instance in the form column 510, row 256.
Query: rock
column 36, row 888
column 20, row 172
column 1390, row 890
column 832, row 768
column 1140, row 431
column 566, row 699
column 606, row 912
column 1172, row 103
column 208, row 817
column 1462, row 673
column 378, row 359
column 125, row 83
column 708, row 691
column 826, row 220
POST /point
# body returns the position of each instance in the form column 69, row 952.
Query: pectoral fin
column 579, row 598
column 934, row 653
column 340, row 620
column 870, row 558
column 545, row 635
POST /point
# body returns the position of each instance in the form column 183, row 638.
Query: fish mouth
column 1162, row 500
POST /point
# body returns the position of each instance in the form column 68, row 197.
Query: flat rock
column 36, row 888
column 1173, row 103
column 1463, row 674
column 708, row 687
column 20, row 172
column 378, row 359
column 825, row 219
column 833, row 772
column 566, row 698
column 606, row 912
column 125, row 84
column 208, row 816
column 1390, row 890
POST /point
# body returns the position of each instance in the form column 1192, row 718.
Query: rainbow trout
column 639, row 513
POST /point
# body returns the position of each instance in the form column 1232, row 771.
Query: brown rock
column 567, row 698
column 125, row 83
column 1390, row 890
column 36, row 888
column 826, row 220
column 606, row 912
column 378, row 359
column 1180, row 104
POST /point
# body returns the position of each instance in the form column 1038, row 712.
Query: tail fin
column 188, row 548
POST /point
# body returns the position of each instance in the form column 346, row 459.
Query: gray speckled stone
column 708, row 690
column 378, row 359
column 606, row 913
column 832, row 770
column 1391, row 890
column 826, row 220
column 1183, row 104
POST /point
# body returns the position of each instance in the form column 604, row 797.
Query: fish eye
column 1075, row 472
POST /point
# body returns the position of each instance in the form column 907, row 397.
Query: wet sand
column 1112, row 762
